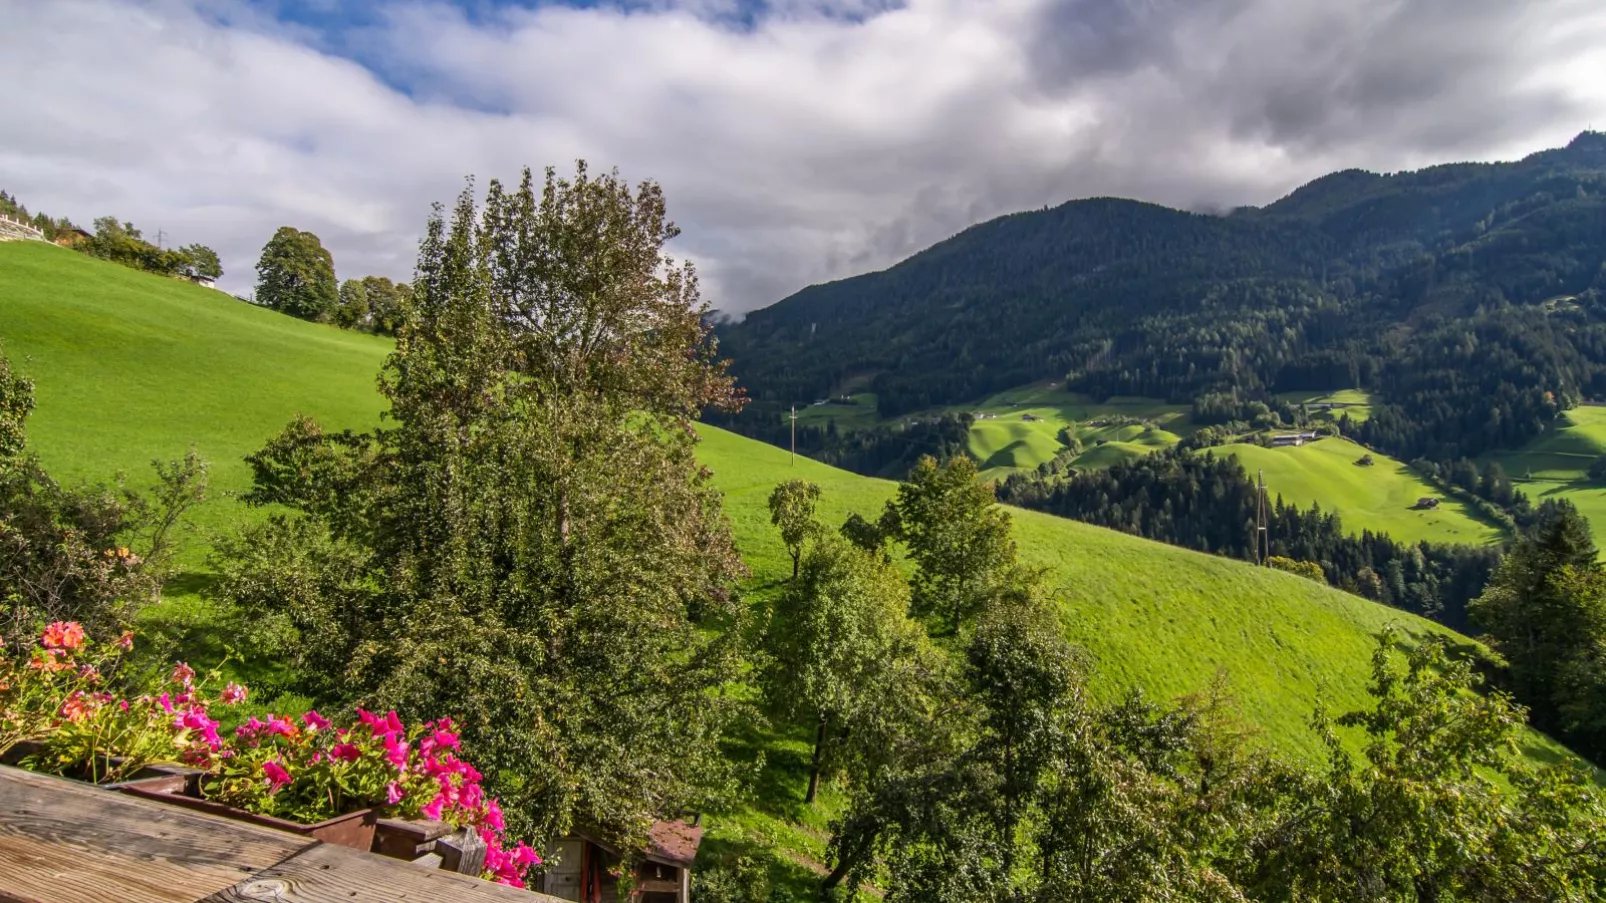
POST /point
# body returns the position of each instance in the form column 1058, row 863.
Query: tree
column 1597, row 469
column 202, row 261
column 531, row 546
column 1533, row 610
column 296, row 276
column 957, row 535
column 1417, row 817
column 836, row 633
column 792, row 510
column 1024, row 675
column 387, row 303
column 353, row 311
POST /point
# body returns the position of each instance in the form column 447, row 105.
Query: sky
column 797, row 141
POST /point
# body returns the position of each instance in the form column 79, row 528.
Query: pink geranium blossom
column 315, row 721
column 183, row 674
column 276, row 775
column 233, row 694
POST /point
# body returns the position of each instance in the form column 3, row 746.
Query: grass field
column 1378, row 498
column 1003, row 440
column 1357, row 403
column 130, row 367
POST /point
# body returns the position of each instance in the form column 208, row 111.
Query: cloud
column 797, row 140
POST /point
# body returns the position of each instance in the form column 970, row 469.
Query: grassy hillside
column 1378, row 498
column 1555, row 465
column 131, row 366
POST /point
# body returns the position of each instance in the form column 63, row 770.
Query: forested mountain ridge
column 1398, row 283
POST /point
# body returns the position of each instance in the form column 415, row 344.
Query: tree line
column 1205, row 502
column 296, row 276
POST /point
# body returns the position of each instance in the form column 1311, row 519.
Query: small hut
column 587, row 869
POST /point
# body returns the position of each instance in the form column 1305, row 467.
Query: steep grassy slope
column 1153, row 616
column 131, row 367
column 1379, row 498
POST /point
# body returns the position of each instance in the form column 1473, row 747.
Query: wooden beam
column 332, row 874
column 65, row 841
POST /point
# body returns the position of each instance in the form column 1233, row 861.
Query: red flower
column 315, row 721
column 183, row 674
column 345, row 752
column 63, row 635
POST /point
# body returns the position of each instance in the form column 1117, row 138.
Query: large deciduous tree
column 296, row 275
column 531, row 547
column 835, row 642
column 956, row 533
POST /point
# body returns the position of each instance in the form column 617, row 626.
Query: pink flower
column 126, row 640
column 439, row 738
column 276, row 775
column 196, row 720
column 432, row 810
column 183, row 674
column 345, row 752
column 63, row 635
column 396, row 751
column 166, row 702
column 280, row 726
column 315, row 721
column 393, row 793
column 493, row 816
column 90, row 673
column 78, row 706
column 233, row 693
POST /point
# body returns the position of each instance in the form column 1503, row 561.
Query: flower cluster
column 56, row 699
column 306, row 769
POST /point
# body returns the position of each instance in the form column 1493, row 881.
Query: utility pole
column 1262, row 536
column 794, row 435
column 160, row 235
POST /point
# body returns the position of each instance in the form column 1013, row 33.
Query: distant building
column 1030, row 418
column 1292, row 439
column 1427, row 502
column 204, row 281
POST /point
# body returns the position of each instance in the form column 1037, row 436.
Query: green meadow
column 131, row 367
column 1380, row 498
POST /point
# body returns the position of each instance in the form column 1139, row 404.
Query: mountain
column 1397, row 283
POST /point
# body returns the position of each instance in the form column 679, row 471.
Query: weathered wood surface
column 64, row 841
column 326, row 874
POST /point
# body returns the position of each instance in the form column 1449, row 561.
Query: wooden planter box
column 353, row 829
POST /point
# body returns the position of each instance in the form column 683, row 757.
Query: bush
column 1310, row 570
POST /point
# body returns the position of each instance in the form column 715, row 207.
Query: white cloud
column 819, row 140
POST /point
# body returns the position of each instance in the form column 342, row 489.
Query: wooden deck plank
column 64, row 841
column 325, row 874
